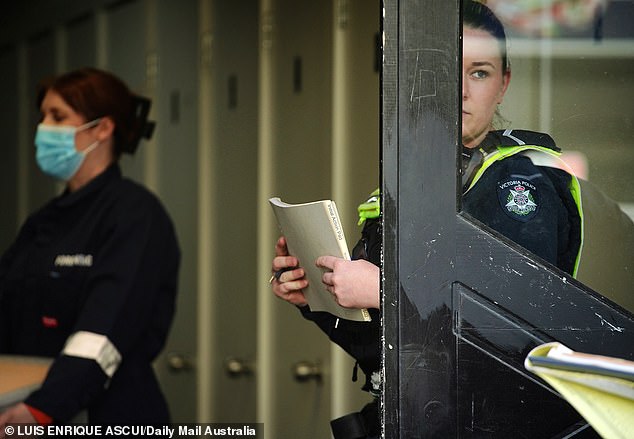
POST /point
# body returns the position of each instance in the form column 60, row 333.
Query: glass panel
column 572, row 64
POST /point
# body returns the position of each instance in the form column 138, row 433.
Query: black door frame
column 461, row 306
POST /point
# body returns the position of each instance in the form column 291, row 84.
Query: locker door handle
column 237, row 367
column 305, row 371
column 178, row 362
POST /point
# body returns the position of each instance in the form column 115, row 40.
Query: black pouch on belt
column 350, row 426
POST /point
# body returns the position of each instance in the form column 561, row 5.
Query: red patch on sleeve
column 49, row 322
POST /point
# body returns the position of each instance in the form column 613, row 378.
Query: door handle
column 237, row 367
column 179, row 362
column 305, row 371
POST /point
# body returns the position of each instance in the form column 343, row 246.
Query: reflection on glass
column 549, row 18
column 546, row 154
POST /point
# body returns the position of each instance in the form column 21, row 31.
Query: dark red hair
column 95, row 93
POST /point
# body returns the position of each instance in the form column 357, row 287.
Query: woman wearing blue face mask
column 91, row 278
column 57, row 155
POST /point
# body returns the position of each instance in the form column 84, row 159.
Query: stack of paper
column 600, row 388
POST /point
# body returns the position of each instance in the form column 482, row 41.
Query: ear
column 105, row 128
column 506, row 80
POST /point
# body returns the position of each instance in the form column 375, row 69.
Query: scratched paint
column 608, row 324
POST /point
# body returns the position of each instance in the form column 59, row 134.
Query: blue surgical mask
column 56, row 153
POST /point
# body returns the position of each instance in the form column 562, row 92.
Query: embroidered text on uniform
column 78, row 260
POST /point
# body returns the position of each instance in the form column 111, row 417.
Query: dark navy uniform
column 361, row 340
column 531, row 205
column 528, row 204
column 91, row 280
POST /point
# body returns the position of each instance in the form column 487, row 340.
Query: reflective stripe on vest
column 371, row 208
column 503, row 152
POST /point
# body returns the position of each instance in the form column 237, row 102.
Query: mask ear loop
column 90, row 124
column 90, row 148
column 85, row 126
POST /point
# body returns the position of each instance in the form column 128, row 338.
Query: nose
column 465, row 86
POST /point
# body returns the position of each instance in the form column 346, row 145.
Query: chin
column 467, row 141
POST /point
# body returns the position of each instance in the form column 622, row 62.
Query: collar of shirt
column 471, row 161
column 113, row 172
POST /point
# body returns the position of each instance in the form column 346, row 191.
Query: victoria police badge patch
column 519, row 199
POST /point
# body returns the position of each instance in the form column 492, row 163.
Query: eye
column 54, row 116
column 480, row 74
column 58, row 117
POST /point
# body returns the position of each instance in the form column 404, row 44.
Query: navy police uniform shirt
column 101, row 262
column 521, row 201
column 528, row 204
column 361, row 340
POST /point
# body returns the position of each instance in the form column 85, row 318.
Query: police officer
column 91, row 278
column 537, row 207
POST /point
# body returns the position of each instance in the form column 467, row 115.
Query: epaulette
column 518, row 138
